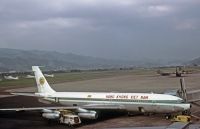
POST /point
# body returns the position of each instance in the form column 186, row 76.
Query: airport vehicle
column 181, row 118
column 62, row 116
column 86, row 104
column 70, row 119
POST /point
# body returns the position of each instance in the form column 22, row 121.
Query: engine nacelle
column 51, row 115
column 47, row 110
column 50, row 111
column 88, row 115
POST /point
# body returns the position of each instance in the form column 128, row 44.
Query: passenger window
column 74, row 104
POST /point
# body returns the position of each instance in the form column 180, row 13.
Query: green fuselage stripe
column 115, row 100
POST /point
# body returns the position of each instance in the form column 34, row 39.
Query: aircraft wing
column 193, row 96
column 193, row 100
column 89, row 107
column 37, row 108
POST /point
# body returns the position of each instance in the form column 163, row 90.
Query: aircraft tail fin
column 42, row 84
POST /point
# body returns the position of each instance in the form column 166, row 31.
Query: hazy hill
column 195, row 61
column 21, row 60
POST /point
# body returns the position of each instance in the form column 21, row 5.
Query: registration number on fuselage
column 135, row 97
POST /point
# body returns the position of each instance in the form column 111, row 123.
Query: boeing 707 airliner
column 85, row 104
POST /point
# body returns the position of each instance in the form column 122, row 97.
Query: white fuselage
column 133, row 102
column 142, row 102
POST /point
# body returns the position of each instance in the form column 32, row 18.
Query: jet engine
column 52, row 115
column 88, row 115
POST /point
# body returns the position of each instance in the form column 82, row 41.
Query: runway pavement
column 129, row 83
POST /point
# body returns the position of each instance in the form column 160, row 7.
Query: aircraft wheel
column 130, row 114
column 168, row 116
column 187, row 112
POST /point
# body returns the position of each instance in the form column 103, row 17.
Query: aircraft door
column 154, row 106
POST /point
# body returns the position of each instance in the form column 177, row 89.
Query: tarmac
column 130, row 83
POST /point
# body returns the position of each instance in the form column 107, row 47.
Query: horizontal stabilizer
column 28, row 94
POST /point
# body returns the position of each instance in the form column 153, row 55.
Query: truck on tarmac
column 69, row 119
column 181, row 118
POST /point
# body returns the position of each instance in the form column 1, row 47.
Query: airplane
column 48, row 75
column 86, row 104
column 30, row 76
column 11, row 78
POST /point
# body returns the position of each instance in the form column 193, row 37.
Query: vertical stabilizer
column 42, row 84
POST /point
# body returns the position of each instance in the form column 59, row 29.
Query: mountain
column 22, row 60
column 195, row 61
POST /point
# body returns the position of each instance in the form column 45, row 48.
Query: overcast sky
column 117, row 29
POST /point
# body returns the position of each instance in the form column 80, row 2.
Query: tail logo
column 42, row 81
